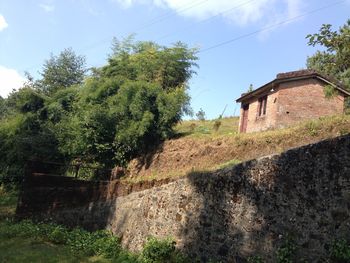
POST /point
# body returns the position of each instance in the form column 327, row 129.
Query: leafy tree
column 2, row 107
column 170, row 67
column 251, row 88
column 62, row 71
column 335, row 59
column 24, row 135
column 200, row 115
column 127, row 106
column 120, row 111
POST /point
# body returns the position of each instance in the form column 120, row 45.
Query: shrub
column 255, row 259
column 24, row 228
column 217, row 125
column 286, row 252
column 192, row 127
column 200, row 115
column 57, row 234
column 80, row 241
column 159, row 251
column 312, row 128
column 340, row 251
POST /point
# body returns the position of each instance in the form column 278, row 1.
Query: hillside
column 198, row 147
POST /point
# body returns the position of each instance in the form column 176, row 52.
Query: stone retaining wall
column 227, row 215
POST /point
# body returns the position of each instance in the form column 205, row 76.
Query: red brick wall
column 304, row 100
column 292, row 102
column 258, row 123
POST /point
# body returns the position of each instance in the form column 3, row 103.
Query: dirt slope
column 197, row 152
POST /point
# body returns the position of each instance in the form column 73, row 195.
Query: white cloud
column 240, row 12
column 9, row 79
column 3, row 23
column 47, row 7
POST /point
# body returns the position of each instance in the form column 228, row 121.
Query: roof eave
column 347, row 93
column 253, row 93
column 258, row 91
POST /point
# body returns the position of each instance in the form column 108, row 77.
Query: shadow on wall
column 145, row 160
column 64, row 200
column 252, row 209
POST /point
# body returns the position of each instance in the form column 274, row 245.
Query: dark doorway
column 244, row 121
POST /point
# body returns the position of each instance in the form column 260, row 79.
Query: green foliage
column 286, row 252
column 255, row 259
column 329, row 91
column 159, row 251
column 228, row 163
column 313, row 127
column 78, row 240
column 147, row 61
column 98, row 243
column 251, row 88
column 340, row 251
column 126, row 104
column 24, row 134
column 217, row 125
column 62, row 71
column 124, row 108
column 335, row 60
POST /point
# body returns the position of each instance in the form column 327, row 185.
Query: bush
column 200, row 115
column 217, row 125
column 99, row 243
column 24, row 228
column 340, row 251
column 159, row 251
column 286, row 252
column 80, row 241
column 255, row 259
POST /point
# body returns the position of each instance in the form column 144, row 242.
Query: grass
column 228, row 164
column 25, row 241
column 19, row 249
column 199, row 147
column 196, row 128
column 30, row 248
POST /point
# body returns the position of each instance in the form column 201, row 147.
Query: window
column 262, row 106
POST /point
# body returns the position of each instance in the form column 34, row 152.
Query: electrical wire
column 270, row 27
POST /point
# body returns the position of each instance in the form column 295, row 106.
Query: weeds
column 98, row 243
column 286, row 252
column 158, row 251
column 255, row 259
column 340, row 251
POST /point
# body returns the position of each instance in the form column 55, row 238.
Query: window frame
column 262, row 106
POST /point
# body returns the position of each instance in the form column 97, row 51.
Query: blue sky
column 31, row 30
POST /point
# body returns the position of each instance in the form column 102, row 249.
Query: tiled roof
column 294, row 75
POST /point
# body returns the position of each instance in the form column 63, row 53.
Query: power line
column 170, row 14
column 153, row 21
column 270, row 27
column 161, row 18
column 208, row 19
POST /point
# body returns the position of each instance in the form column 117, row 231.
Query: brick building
column 290, row 98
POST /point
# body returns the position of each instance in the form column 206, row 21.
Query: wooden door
column 244, row 121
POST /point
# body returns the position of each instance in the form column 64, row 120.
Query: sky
column 240, row 42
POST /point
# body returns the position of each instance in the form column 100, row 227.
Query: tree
column 335, row 59
column 62, row 71
column 2, row 107
column 251, row 88
column 24, row 134
column 170, row 67
column 200, row 115
column 108, row 118
column 128, row 105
